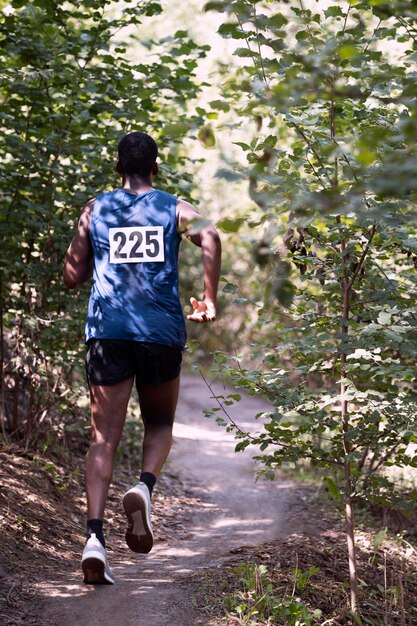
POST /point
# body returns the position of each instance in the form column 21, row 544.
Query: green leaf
column 301, row 35
column 231, row 30
column 332, row 488
column 229, row 175
column 246, row 53
column 217, row 5
column 176, row 129
column 334, row 11
column 242, row 445
column 284, row 291
column 220, row 105
column 230, row 288
column 278, row 20
column 207, row 137
column 379, row 538
column 385, row 318
column 347, row 51
column 228, row 225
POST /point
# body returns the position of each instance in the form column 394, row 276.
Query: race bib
column 137, row 244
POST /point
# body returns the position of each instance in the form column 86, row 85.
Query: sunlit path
column 235, row 511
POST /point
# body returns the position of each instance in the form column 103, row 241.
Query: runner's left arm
column 204, row 235
column 78, row 266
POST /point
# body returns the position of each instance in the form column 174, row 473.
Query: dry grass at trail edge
column 42, row 523
column 303, row 580
column 42, row 520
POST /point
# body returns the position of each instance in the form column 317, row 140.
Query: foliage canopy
column 69, row 92
column 331, row 169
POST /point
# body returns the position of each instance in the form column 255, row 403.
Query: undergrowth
column 303, row 580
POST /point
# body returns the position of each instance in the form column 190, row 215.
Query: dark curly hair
column 137, row 154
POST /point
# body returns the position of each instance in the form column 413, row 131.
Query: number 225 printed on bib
column 137, row 244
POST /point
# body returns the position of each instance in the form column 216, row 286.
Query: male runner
column 128, row 239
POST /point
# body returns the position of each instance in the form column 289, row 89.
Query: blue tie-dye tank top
column 135, row 281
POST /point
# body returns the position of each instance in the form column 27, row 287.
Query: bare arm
column 78, row 265
column 207, row 238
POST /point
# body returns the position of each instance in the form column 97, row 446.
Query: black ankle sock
column 96, row 526
column 149, row 479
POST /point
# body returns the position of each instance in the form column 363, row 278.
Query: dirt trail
column 235, row 511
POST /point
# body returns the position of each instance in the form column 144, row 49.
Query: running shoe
column 137, row 506
column 94, row 563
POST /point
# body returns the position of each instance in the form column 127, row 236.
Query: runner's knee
column 156, row 422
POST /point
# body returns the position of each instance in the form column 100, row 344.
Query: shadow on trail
column 232, row 510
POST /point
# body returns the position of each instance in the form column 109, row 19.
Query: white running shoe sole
column 137, row 506
column 94, row 565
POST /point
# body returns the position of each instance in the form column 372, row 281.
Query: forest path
column 233, row 511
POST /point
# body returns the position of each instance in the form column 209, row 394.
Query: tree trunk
column 2, row 381
column 350, row 523
column 15, row 414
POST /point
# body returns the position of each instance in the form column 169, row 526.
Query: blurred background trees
column 69, row 92
column 331, row 91
column 294, row 128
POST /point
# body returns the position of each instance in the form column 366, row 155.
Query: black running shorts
column 109, row 361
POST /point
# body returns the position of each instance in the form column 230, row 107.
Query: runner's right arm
column 78, row 266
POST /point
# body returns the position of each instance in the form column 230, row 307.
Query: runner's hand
column 203, row 311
